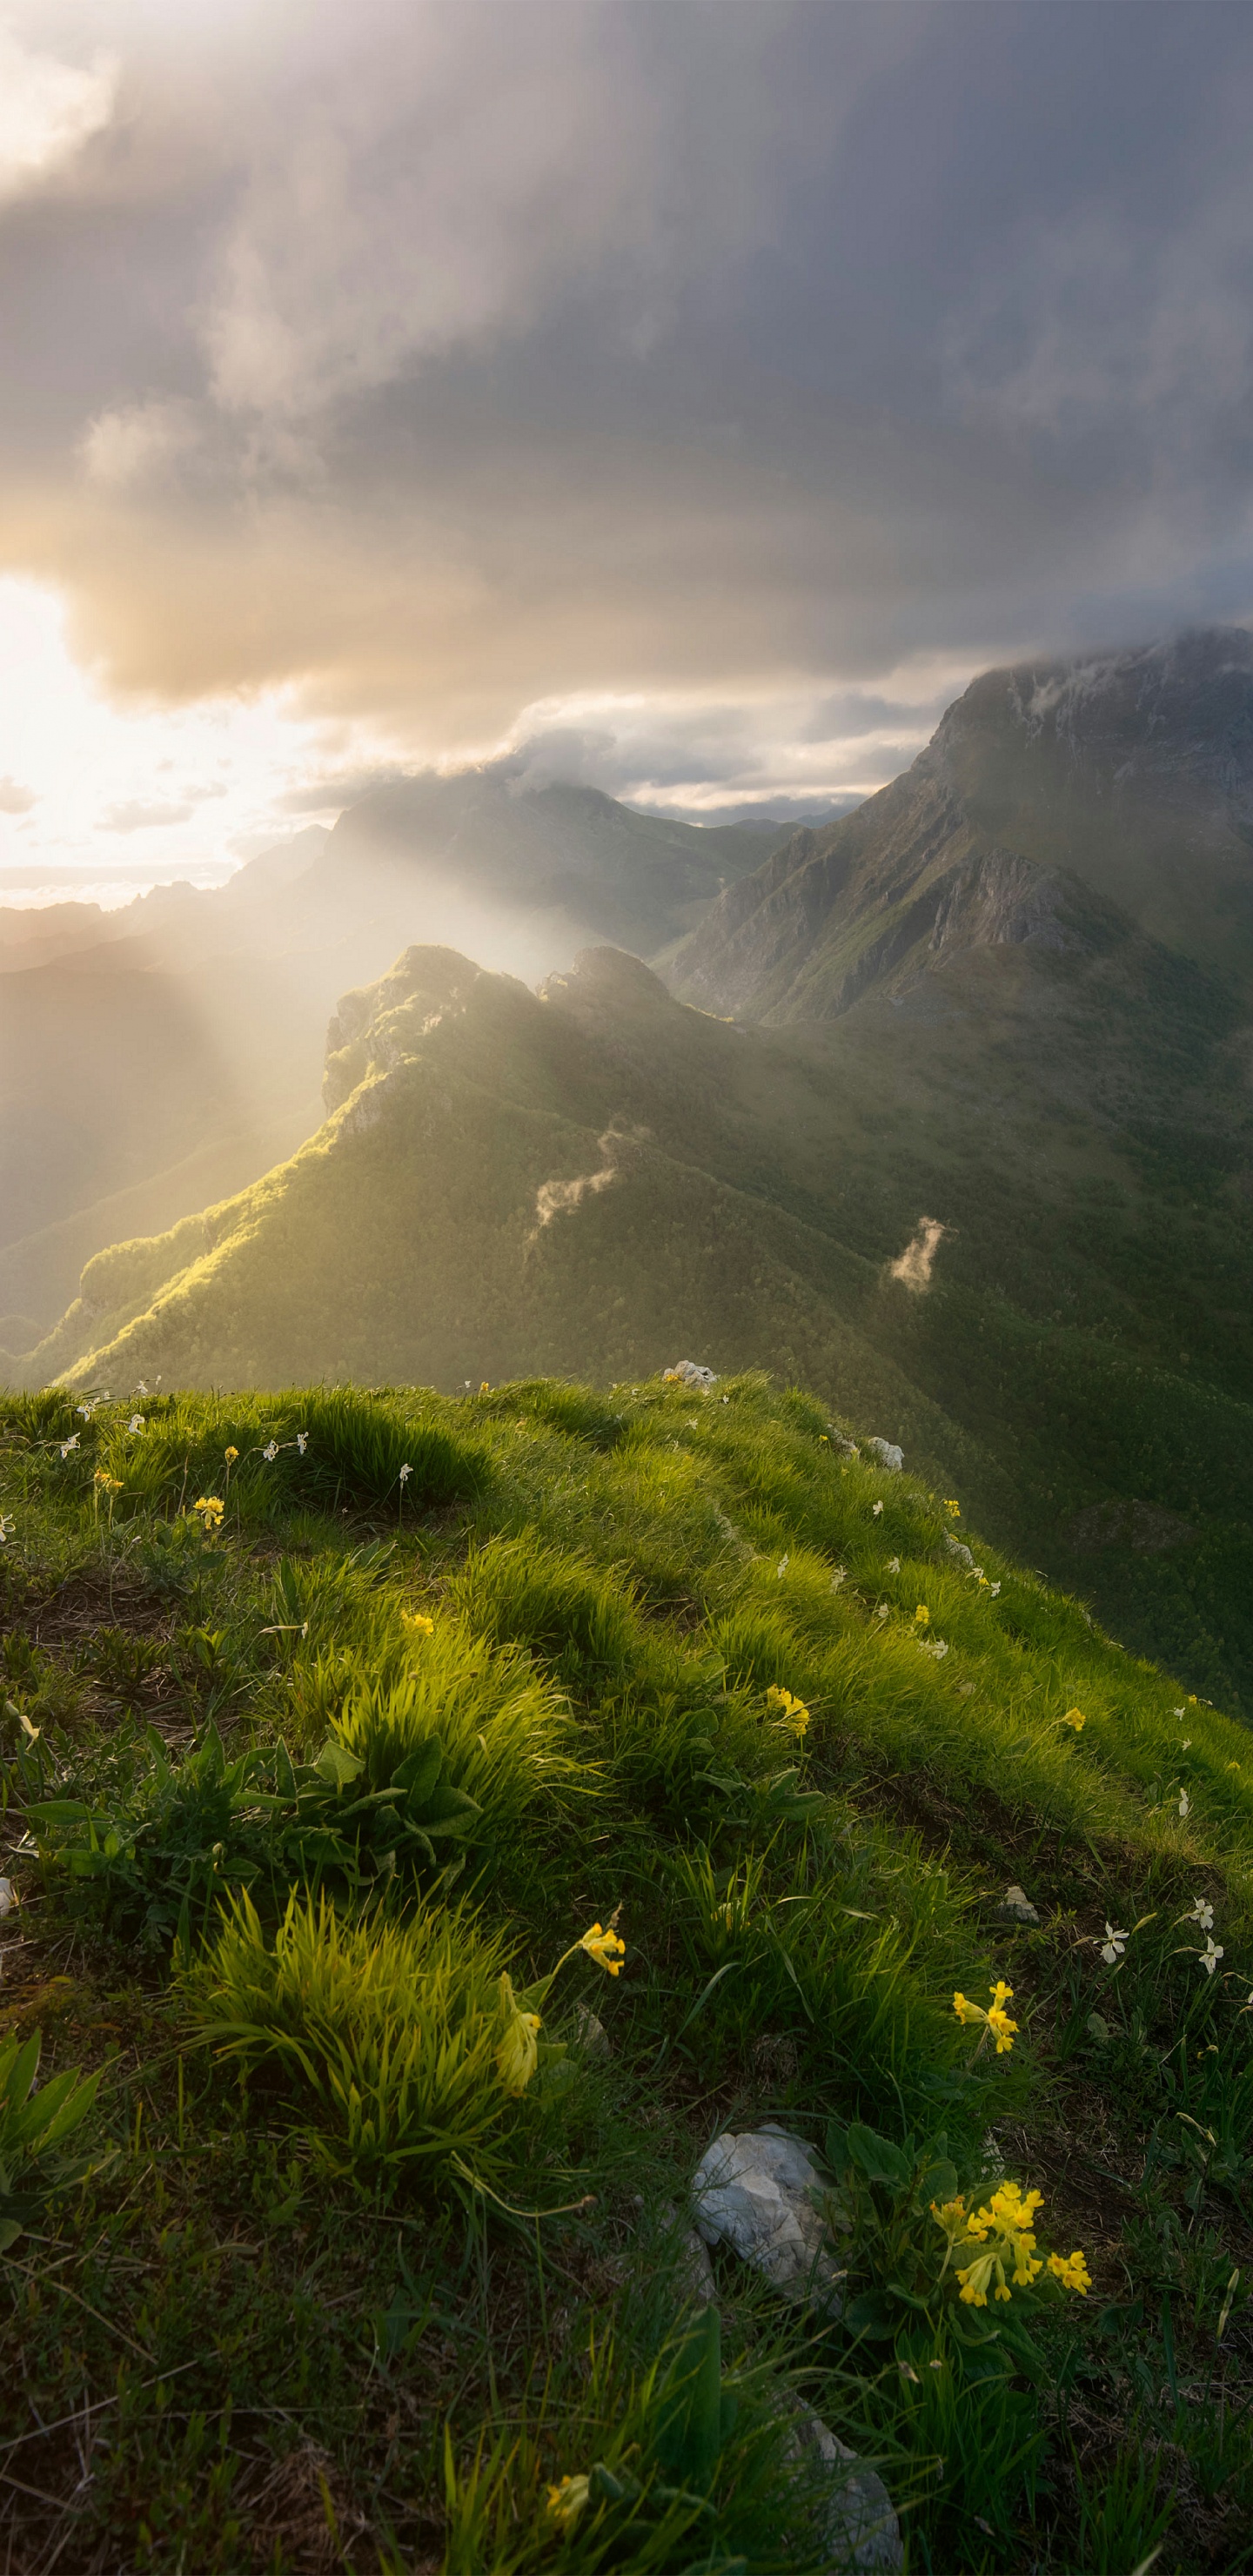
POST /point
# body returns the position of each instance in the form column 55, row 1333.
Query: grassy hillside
column 332, row 1721
column 592, row 1181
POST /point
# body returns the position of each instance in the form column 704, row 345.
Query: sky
column 685, row 396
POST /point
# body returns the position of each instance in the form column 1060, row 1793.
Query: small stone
column 689, row 1373
column 754, row 2193
column 887, row 1452
column 862, row 2529
column 1016, row 1907
column 957, row 1547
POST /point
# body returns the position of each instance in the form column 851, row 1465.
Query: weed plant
column 369, row 2235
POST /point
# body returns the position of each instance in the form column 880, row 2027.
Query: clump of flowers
column 1000, row 2240
column 953, row 1507
column 417, row 1623
column 106, row 1484
column 922, row 1616
column 566, row 2502
column 518, row 2053
column 995, row 2022
column 793, row 1714
column 210, row 1509
column 1074, row 1717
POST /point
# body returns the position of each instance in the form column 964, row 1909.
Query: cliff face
column 1061, row 806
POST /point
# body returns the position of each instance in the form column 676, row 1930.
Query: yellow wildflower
column 417, row 1623
column 107, row 1484
column 518, row 2053
column 211, row 1508
column 566, row 2502
column 484, row 1388
column 995, row 2019
column 1072, row 2271
column 230, row 1456
column 793, row 1713
column 922, row 1616
column 605, row 1948
column 954, row 1508
column 1075, row 1717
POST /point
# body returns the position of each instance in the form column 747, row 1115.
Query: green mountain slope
column 428, row 1827
column 1048, row 794
column 600, row 1179
column 145, row 1045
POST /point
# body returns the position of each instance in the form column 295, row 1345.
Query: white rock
column 689, row 1373
column 1016, row 1907
column 861, row 2525
column 957, row 1547
column 8, row 1896
column 752, row 2193
column 887, row 1452
column 591, row 2037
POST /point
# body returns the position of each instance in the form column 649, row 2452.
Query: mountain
column 597, row 1179
column 168, row 1053
column 1055, row 804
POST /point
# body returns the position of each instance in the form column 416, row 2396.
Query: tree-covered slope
column 600, row 1179
column 428, row 1825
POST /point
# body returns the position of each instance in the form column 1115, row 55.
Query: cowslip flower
column 210, row 1508
column 605, row 1948
column 518, row 2053
column 1074, row 1717
column 230, row 1456
column 922, row 1616
column 106, row 1484
column 566, row 2502
column 1113, row 1945
column 954, row 1508
column 995, row 2019
column 1072, row 2271
column 417, row 1623
column 793, row 1713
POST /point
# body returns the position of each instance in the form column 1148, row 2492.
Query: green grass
column 364, row 2240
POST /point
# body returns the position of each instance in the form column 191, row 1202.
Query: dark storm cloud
column 701, row 388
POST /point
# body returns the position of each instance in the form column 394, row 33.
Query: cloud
column 135, row 816
column 48, row 110
column 137, row 442
column 692, row 396
column 15, row 799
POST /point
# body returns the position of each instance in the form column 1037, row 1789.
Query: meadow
column 429, row 1823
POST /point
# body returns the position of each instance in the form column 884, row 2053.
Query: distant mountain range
column 159, row 1056
column 959, row 1135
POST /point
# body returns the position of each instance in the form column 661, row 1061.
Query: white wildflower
column 1185, row 1803
column 1179, row 1712
column 876, row 1509
column 1186, row 1746
column 302, row 1441
column 270, row 1452
column 782, row 1567
column 1202, row 1913
column 406, row 1472
column 71, row 1443
column 7, row 1526
column 839, row 1576
column 1113, row 1945
column 882, row 1611
column 1210, row 1955
column 894, row 1565
column 136, row 1422
column 994, row 1588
